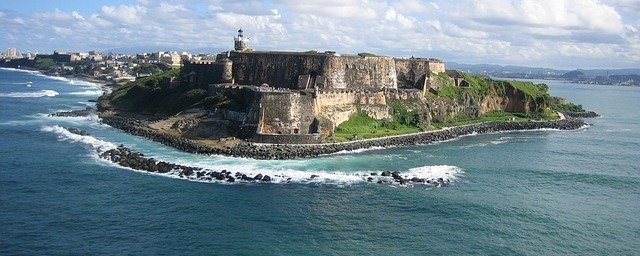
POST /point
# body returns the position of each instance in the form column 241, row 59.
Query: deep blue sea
column 520, row 193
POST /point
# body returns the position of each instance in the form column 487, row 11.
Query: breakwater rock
column 292, row 151
column 582, row 114
column 127, row 157
column 75, row 113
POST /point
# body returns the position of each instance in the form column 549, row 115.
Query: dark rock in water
column 440, row 180
column 386, row 173
column 583, row 114
column 374, row 173
column 220, row 177
column 313, row 176
column 404, row 181
column 75, row 113
column 369, row 179
column 231, row 179
column 258, row 177
column 76, row 131
column 266, row 178
column 245, row 177
column 238, row 174
column 415, row 179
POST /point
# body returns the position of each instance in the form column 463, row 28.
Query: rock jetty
column 127, row 157
column 292, row 151
column 75, row 113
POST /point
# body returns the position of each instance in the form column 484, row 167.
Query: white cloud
column 510, row 31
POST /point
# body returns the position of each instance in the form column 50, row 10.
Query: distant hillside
column 574, row 75
column 511, row 71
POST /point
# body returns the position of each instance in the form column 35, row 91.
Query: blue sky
column 550, row 33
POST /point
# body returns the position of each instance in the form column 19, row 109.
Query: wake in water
column 437, row 176
column 38, row 94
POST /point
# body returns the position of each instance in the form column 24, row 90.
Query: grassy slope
column 147, row 95
column 361, row 126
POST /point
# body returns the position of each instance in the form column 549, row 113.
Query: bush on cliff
column 450, row 91
column 148, row 95
column 570, row 107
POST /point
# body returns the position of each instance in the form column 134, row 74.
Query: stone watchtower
column 241, row 43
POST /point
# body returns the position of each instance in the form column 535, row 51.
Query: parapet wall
column 413, row 73
column 357, row 73
column 275, row 69
column 201, row 73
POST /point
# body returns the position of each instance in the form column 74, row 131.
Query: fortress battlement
column 301, row 93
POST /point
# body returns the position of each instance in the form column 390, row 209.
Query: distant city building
column 12, row 53
column 60, row 57
column 172, row 59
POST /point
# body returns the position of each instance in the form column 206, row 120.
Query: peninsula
column 280, row 105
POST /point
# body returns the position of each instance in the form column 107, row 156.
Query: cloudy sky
column 544, row 33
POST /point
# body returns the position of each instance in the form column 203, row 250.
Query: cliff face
column 500, row 97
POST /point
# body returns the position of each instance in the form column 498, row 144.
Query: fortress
column 300, row 97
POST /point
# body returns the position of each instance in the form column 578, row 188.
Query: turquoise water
column 531, row 193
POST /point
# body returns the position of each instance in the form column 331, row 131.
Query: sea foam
column 65, row 135
column 253, row 167
column 41, row 93
column 88, row 93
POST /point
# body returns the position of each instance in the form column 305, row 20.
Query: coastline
column 294, row 151
column 266, row 151
column 84, row 78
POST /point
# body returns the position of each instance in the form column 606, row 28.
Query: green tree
column 44, row 63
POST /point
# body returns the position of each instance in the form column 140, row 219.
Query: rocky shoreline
column 583, row 114
column 75, row 113
column 126, row 157
column 291, row 151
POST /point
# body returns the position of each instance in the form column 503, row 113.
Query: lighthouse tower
column 240, row 42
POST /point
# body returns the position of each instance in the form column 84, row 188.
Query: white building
column 12, row 53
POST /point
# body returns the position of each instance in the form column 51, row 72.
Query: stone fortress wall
column 302, row 95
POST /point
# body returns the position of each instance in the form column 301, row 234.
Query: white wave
column 65, row 135
column 41, row 93
column 251, row 168
column 28, row 84
column 83, row 83
column 88, row 93
column 22, row 70
column 356, row 151
column 434, row 172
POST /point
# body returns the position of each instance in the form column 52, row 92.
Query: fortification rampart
column 358, row 73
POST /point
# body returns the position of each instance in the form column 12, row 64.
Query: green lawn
column 498, row 116
column 362, row 126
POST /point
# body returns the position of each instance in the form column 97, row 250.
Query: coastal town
column 109, row 67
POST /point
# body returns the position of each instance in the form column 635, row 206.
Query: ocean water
column 530, row 193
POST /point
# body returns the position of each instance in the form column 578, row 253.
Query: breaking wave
column 88, row 93
column 65, row 135
column 252, row 167
column 41, row 93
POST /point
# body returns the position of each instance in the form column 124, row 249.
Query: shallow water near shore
column 530, row 192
